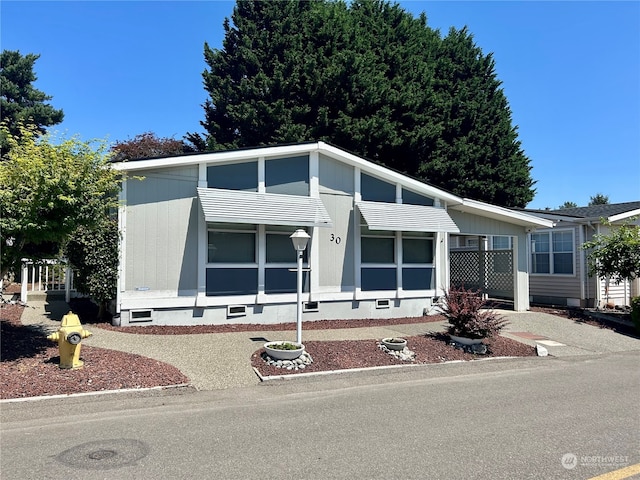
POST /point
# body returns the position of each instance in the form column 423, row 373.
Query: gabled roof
column 593, row 213
column 379, row 171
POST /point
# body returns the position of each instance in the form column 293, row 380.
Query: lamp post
column 299, row 239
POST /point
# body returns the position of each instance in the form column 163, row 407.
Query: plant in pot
column 394, row 343
column 283, row 350
column 469, row 321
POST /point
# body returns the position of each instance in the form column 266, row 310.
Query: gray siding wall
column 161, row 231
column 476, row 225
column 337, row 268
column 553, row 288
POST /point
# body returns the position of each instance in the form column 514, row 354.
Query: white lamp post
column 299, row 239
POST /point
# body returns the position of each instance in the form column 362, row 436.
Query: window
column 415, row 199
column 237, row 176
column 374, row 190
column 280, row 275
column 233, row 268
column 501, row 242
column 417, row 261
column 288, row 176
column 379, row 265
column 552, row 253
column 378, row 260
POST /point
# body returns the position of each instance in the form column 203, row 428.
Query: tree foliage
column 48, row 190
column 371, row 78
column 20, row 102
column 147, row 145
column 568, row 205
column 599, row 199
column 615, row 255
column 93, row 253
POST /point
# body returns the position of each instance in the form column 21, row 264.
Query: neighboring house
column 205, row 238
column 558, row 265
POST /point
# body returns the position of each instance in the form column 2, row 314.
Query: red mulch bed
column 29, row 365
column 342, row 355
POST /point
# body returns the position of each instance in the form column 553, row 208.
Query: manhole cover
column 104, row 454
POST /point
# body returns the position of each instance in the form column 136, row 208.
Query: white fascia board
column 503, row 214
column 625, row 215
column 215, row 157
column 387, row 174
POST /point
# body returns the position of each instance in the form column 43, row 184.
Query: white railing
column 46, row 276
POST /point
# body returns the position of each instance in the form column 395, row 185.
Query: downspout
column 583, row 267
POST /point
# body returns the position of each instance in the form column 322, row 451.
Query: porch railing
column 46, row 276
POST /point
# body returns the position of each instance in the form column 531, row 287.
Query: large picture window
column 552, row 252
column 280, row 275
column 380, row 265
column 232, row 258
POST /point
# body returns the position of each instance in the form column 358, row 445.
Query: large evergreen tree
column 20, row 102
column 370, row 78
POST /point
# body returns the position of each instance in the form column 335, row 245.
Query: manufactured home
column 558, row 263
column 205, row 238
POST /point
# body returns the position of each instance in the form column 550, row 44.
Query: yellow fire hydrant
column 69, row 337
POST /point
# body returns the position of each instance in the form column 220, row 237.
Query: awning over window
column 407, row 218
column 233, row 206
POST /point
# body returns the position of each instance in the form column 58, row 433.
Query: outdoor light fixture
column 300, row 238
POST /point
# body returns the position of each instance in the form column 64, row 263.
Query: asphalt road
column 543, row 418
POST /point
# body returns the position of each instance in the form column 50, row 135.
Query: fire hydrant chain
column 69, row 337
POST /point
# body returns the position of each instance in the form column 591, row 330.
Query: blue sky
column 570, row 70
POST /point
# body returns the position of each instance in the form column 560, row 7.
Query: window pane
column 281, row 280
column 232, row 281
column 374, row 190
column 378, row 250
column 232, row 247
column 378, row 279
column 562, row 242
column 540, row 263
column 238, row 176
column 289, row 176
column 414, row 199
column 501, row 243
column 417, row 250
column 417, row 278
column 540, row 242
column 563, row 263
column 280, row 249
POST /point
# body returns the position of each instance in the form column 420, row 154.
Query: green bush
column 635, row 312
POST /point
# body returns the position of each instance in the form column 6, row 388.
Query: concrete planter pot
column 394, row 343
column 279, row 354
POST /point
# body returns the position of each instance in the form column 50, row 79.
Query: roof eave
column 502, row 214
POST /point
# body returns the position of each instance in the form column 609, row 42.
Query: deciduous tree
column 47, row 190
column 615, row 255
column 147, row 145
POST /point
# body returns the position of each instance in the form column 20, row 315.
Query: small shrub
column 284, row 346
column 635, row 312
column 463, row 310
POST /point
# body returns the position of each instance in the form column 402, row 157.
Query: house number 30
column 335, row 239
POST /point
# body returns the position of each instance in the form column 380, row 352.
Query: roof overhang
column 502, row 214
column 405, row 217
column 233, row 206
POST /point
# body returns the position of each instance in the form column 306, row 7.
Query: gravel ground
column 29, row 362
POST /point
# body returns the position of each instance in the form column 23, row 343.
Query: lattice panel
column 488, row 271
